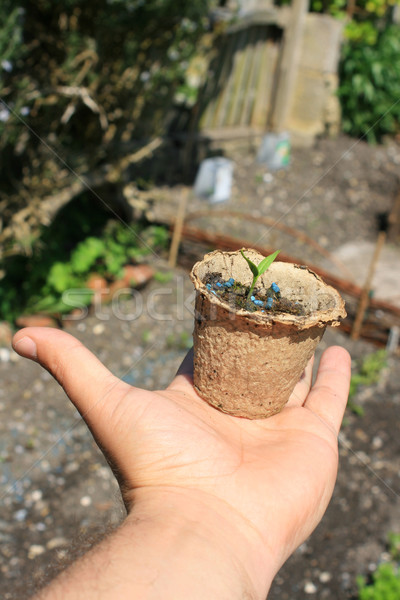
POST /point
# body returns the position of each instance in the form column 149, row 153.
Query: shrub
column 37, row 284
column 370, row 86
column 385, row 584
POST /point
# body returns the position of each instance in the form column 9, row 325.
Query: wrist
column 222, row 549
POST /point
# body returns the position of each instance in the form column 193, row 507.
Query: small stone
column 361, row 435
column 377, row 442
column 325, row 576
column 85, row 501
column 45, row 511
column 5, row 355
column 268, row 202
column 71, row 467
column 35, row 550
column 36, row 495
column 98, row 329
column 302, row 549
column 310, row 588
column 20, row 515
column 127, row 360
column 38, row 386
column 323, row 240
column 56, row 543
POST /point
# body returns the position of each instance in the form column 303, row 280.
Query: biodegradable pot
column 247, row 363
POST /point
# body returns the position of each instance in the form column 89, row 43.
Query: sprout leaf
column 260, row 269
column 266, row 262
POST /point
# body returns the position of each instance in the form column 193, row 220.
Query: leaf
column 60, row 276
column 267, row 262
column 253, row 267
column 85, row 254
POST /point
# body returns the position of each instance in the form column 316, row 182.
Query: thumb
column 85, row 379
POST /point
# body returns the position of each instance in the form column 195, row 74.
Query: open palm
column 276, row 475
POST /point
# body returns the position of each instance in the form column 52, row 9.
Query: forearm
column 172, row 547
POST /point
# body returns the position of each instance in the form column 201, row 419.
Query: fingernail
column 26, row 347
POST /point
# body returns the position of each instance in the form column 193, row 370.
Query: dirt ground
column 58, row 495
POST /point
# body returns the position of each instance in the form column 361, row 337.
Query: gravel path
column 57, row 493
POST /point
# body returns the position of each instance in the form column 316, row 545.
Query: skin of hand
column 262, row 485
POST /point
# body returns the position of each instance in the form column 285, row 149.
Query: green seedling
column 385, row 584
column 369, row 371
column 260, row 269
column 394, row 545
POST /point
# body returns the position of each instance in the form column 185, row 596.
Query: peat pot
column 247, row 363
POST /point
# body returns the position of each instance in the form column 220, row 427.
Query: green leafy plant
column 369, row 88
column 385, row 581
column 258, row 270
column 369, row 371
column 385, row 584
column 369, row 69
column 364, row 20
column 39, row 284
column 394, row 545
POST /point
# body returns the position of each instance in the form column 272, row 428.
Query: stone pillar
column 315, row 109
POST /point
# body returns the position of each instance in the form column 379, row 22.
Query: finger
column 302, row 387
column 84, row 378
column 328, row 397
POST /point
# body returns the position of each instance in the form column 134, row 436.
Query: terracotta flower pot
column 247, row 363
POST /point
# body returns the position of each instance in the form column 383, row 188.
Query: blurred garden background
column 101, row 101
column 108, row 109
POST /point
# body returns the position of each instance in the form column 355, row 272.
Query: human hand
column 264, row 485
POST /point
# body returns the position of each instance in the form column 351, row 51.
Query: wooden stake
column 177, row 234
column 362, row 307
